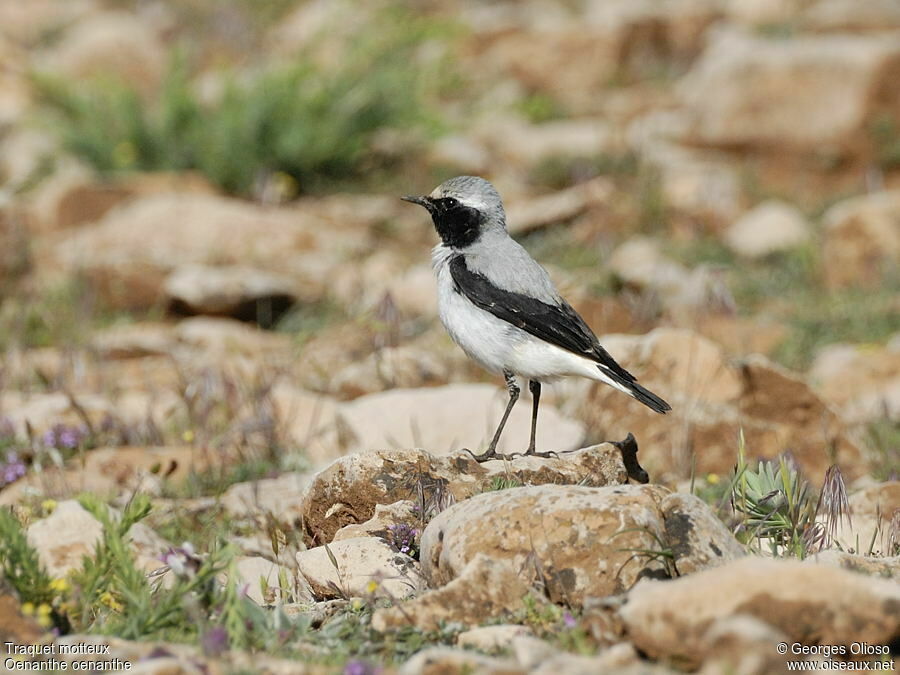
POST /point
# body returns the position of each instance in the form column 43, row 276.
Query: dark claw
column 487, row 456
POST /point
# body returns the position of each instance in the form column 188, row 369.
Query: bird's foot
column 531, row 453
column 488, row 456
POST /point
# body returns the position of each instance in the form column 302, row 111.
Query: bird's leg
column 513, row 389
column 535, row 388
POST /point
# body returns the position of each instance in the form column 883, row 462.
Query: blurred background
column 203, row 253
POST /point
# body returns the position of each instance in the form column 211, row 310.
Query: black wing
column 559, row 325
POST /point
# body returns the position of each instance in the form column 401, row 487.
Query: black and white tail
column 622, row 380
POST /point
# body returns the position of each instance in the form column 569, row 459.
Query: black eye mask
column 458, row 225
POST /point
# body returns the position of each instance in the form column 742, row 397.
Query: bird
column 501, row 307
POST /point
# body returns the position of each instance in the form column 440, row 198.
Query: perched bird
column 501, row 307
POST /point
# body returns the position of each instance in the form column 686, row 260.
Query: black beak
column 427, row 202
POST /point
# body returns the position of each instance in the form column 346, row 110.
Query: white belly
column 497, row 345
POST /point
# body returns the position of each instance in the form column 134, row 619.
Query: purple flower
column 183, row 561
column 569, row 621
column 357, row 667
column 404, row 538
column 12, row 469
column 215, row 641
column 63, row 436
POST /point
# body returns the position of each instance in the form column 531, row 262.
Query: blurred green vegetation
column 309, row 126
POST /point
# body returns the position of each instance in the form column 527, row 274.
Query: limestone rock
column 386, row 516
column 492, row 638
column 870, row 530
column 128, row 254
column 863, row 381
column 751, row 91
column 452, row 417
column 528, row 215
column 360, row 561
column 71, row 532
column 277, row 496
column 238, row 291
column 697, row 538
column 437, row 660
column 743, row 644
column 111, row 471
column 876, row 566
column 771, row 227
column 484, row 589
column 525, row 144
column 713, row 398
column 402, row 367
column 669, row 620
column 259, row 573
column 347, row 491
column 862, row 240
column 580, row 539
column 308, row 420
column 843, row 16
column 117, row 44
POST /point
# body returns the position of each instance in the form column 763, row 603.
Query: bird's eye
column 451, row 202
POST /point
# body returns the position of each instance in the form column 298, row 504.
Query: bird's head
column 462, row 209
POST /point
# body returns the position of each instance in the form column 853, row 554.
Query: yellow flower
column 372, row 586
column 48, row 505
column 59, row 585
column 27, row 608
column 188, row 436
column 712, row 478
column 44, row 609
column 110, row 601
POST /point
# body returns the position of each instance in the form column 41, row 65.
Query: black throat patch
column 457, row 225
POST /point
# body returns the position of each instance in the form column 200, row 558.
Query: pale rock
column 451, row 417
column 134, row 340
column 882, row 567
column 484, row 589
column 862, row 380
column 308, row 420
column 348, row 490
column 68, row 534
column 239, row 291
column 581, row 539
column 531, row 651
column 492, row 638
column 32, row 21
column 743, row 644
column 640, row 264
column 128, row 254
column 111, row 472
column 43, row 410
column 670, row 620
column 747, row 90
column 228, row 337
column 620, row 659
column 258, row 573
column 23, row 151
column 525, row 216
column 405, row 367
column 770, row 227
column 757, row 13
column 697, row 538
column 276, row 496
column 846, row 16
column 360, row 563
column 437, row 660
column 386, row 516
column 260, row 544
column 111, row 44
column 862, row 240
column 524, row 144
column 463, row 153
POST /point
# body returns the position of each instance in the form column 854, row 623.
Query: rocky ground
column 232, row 428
